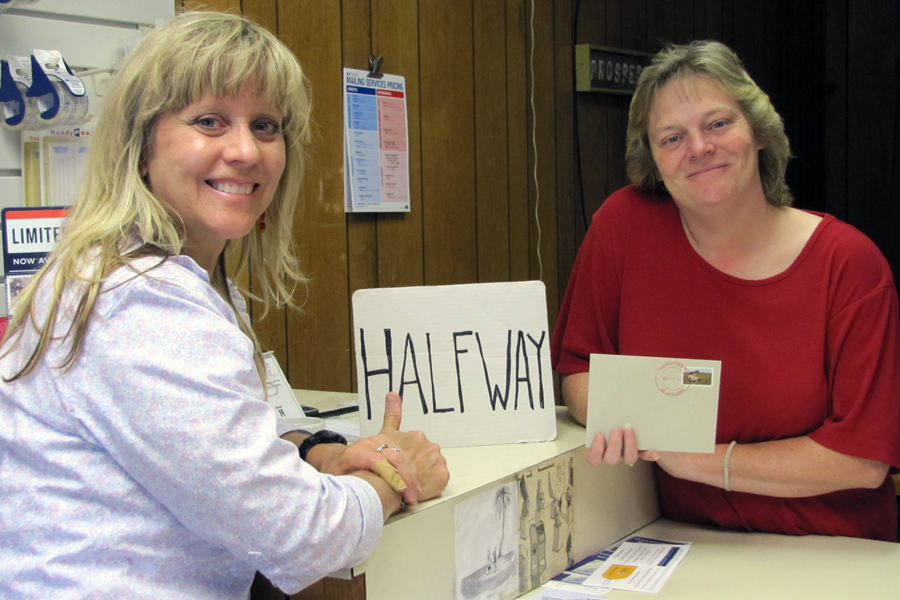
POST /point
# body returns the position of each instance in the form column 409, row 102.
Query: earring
column 262, row 221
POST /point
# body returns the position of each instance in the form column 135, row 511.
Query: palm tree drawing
column 501, row 505
column 500, row 568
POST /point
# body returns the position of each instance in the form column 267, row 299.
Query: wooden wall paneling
column 591, row 115
column 634, row 35
column 400, row 252
column 264, row 12
column 362, row 251
column 634, row 25
column 643, row 41
column 448, row 142
column 617, row 104
column 318, row 337
column 566, row 184
column 835, row 124
column 543, row 194
column 232, row 6
column 591, row 15
column 519, row 139
column 362, row 237
column 873, row 112
column 662, row 20
column 649, row 40
column 491, row 127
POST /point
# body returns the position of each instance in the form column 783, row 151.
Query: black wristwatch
column 323, row 436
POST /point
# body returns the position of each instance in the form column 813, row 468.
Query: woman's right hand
column 621, row 446
column 419, row 461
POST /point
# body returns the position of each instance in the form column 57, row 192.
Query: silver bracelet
column 727, row 460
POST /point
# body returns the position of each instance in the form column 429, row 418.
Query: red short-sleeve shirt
column 814, row 350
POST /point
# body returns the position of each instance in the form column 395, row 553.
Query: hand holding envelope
column 670, row 404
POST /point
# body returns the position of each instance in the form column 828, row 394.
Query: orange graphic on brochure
column 619, row 571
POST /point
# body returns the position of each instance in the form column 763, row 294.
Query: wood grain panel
column 617, row 104
column 518, row 140
column 491, row 135
column 362, row 238
column 629, row 23
column 232, row 6
column 448, row 142
column 567, row 245
column 544, row 226
column 319, row 346
column 362, row 252
column 264, row 12
column 662, row 21
column 592, row 136
column 395, row 35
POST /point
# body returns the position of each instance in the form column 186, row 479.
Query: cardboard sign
column 471, row 362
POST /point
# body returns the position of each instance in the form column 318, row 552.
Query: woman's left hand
column 419, row 461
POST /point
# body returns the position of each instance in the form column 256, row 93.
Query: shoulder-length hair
column 195, row 54
column 718, row 62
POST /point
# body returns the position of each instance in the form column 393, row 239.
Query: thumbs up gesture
column 418, row 461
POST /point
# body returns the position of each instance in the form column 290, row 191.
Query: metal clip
column 375, row 66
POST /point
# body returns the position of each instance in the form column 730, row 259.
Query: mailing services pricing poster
column 376, row 143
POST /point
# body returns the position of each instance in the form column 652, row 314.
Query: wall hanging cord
column 537, row 190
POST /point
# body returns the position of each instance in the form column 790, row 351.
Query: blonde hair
column 195, row 54
column 718, row 62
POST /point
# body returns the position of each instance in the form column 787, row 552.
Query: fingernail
column 628, row 426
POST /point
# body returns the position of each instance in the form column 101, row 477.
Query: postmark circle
column 670, row 378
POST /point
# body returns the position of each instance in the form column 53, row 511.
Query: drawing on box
column 524, row 511
column 550, row 486
column 487, row 560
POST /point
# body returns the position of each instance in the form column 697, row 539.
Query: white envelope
column 672, row 403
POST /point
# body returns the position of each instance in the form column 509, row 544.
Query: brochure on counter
column 635, row 564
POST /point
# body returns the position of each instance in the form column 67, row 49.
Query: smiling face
column 216, row 164
column 702, row 145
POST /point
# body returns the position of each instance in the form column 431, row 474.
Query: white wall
column 90, row 34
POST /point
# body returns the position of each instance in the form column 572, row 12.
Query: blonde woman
column 138, row 456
